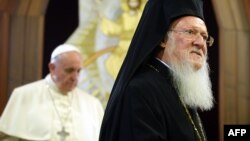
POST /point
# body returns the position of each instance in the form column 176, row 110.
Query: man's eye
column 79, row 70
column 69, row 70
column 190, row 31
column 205, row 37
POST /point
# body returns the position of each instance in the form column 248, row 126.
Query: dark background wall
column 62, row 19
column 211, row 118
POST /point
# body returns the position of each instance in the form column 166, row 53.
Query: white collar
column 163, row 62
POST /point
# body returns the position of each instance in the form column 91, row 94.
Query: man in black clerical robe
column 164, row 78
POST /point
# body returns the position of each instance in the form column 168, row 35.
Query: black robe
column 143, row 105
column 151, row 109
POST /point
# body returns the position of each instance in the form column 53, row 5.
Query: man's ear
column 163, row 43
column 51, row 67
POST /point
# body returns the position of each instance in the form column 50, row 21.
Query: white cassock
column 37, row 112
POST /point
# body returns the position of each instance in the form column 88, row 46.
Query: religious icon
column 108, row 39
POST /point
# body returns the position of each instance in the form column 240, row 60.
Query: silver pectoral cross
column 63, row 133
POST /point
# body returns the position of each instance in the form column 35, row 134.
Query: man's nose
column 200, row 41
column 75, row 75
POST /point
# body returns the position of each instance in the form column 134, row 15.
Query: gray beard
column 193, row 86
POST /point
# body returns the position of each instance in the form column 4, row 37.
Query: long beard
column 193, row 86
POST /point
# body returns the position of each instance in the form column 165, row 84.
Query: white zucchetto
column 62, row 49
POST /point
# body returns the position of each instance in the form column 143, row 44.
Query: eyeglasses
column 193, row 34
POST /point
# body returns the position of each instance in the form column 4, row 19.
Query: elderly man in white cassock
column 53, row 109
